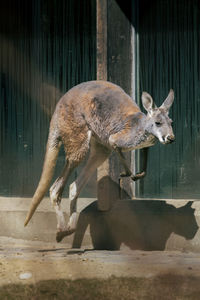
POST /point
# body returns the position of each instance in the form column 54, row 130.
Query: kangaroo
column 96, row 117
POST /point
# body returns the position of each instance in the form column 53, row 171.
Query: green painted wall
column 169, row 47
column 46, row 47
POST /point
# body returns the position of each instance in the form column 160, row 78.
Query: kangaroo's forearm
column 124, row 163
column 128, row 172
column 144, row 155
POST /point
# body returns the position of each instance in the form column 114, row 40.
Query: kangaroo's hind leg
column 56, row 191
column 97, row 156
column 76, row 147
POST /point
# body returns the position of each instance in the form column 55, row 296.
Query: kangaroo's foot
column 61, row 234
column 69, row 229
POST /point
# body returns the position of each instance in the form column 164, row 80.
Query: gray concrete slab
column 137, row 224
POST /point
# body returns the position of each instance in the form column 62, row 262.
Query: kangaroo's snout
column 170, row 138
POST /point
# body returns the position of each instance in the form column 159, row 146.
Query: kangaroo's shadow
column 139, row 224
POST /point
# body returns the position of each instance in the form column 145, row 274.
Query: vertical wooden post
column 114, row 63
column 101, row 7
column 103, row 170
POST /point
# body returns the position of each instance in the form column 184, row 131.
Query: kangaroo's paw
column 125, row 174
column 138, row 176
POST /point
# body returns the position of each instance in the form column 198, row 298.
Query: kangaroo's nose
column 170, row 138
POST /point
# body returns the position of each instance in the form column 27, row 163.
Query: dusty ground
column 47, row 261
column 36, row 270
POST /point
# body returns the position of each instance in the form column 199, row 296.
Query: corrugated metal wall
column 169, row 47
column 46, row 47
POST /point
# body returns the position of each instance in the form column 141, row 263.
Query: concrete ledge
column 23, row 204
column 136, row 224
column 42, row 226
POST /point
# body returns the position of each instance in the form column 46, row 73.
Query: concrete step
column 42, row 226
column 136, row 224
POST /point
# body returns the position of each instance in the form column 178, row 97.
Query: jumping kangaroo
column 96, row 117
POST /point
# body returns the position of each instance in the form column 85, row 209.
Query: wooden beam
column 101, row 7
column 114, row 63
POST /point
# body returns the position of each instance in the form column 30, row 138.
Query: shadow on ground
column 139, row 224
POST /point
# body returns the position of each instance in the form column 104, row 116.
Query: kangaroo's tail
column 52, row 150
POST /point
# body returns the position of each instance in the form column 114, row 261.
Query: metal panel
column 169, row 58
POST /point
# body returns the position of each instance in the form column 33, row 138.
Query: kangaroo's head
column 158, row 122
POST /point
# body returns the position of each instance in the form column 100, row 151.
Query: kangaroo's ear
column 187, row 207
column 168, row 101
column 148, row 102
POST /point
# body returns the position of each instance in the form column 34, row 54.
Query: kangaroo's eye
column 158, row 124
